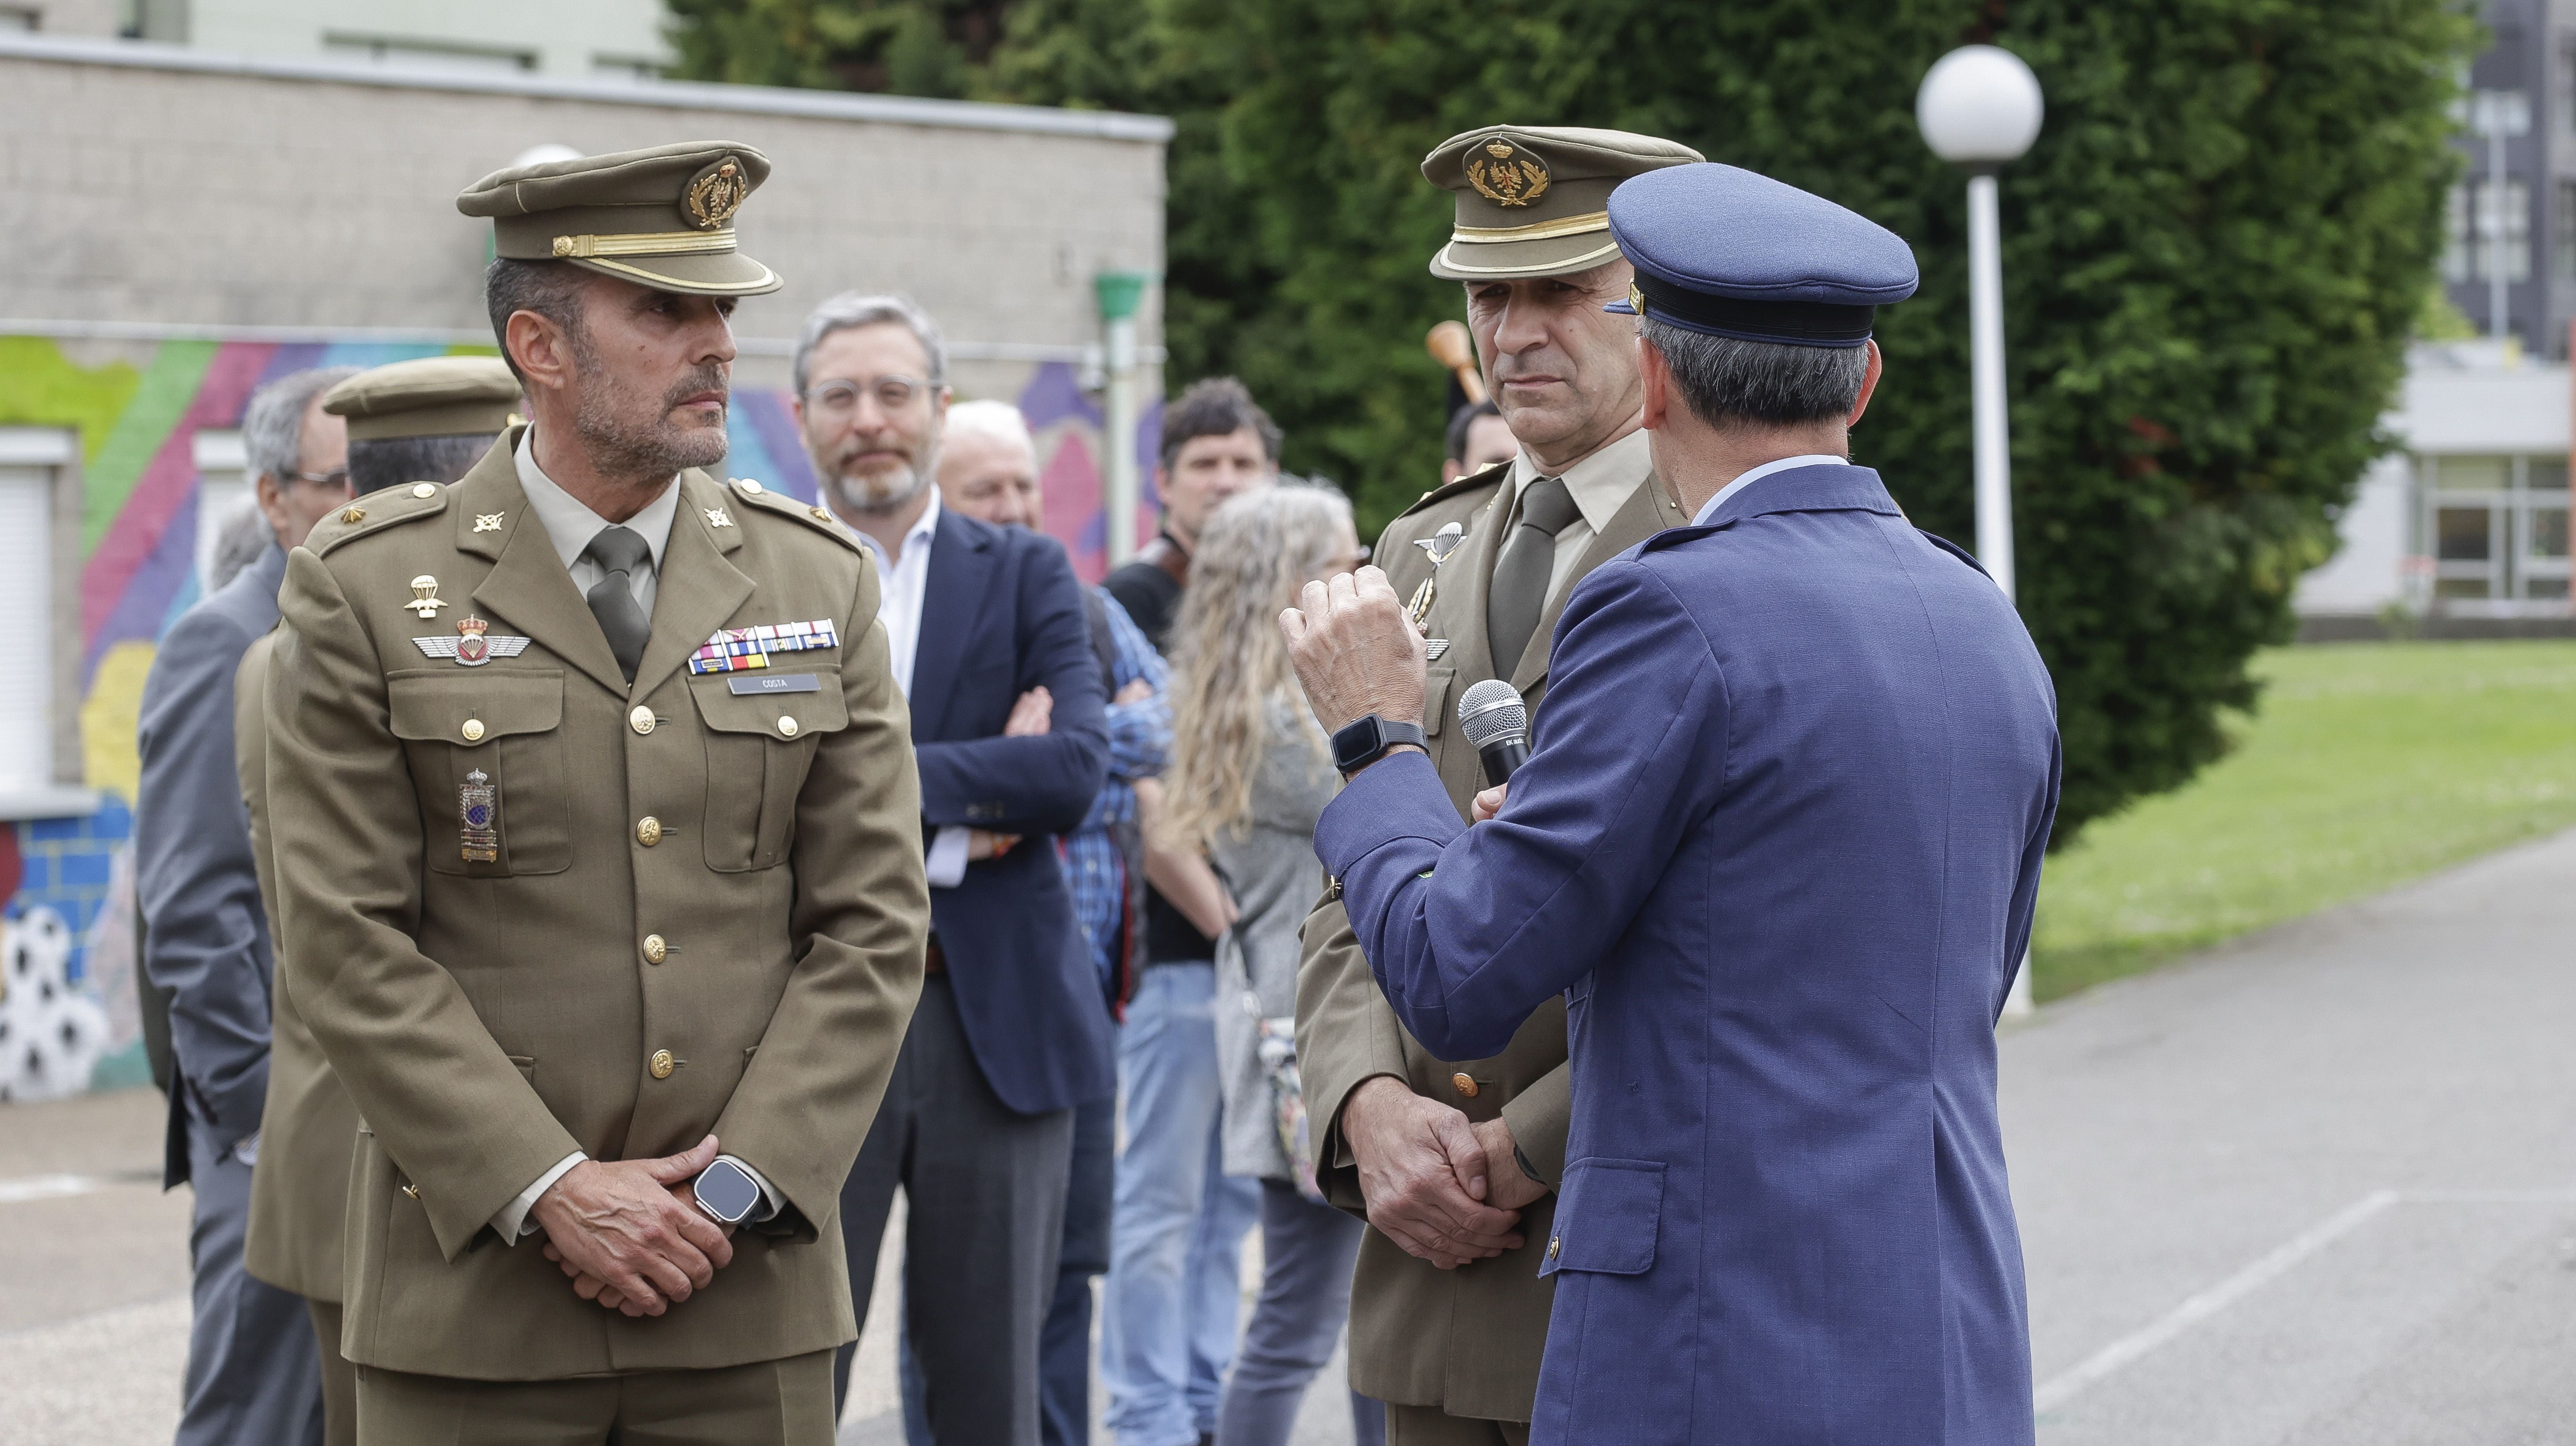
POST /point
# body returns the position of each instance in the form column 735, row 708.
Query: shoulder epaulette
column 813, row 515
column 376, row 511
column 1468, row 483
column 1955, row 550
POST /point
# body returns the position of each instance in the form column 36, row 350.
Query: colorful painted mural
column 68, row 1016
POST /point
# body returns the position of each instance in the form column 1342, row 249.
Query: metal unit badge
column 425, row 600
column 732, row 650
column 474, row 644
column 478, row 805
column 1507, row 176
column 1439, row 547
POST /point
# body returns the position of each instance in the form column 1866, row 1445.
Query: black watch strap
column 1365, row 740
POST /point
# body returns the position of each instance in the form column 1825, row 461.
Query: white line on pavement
column 2066, row 1385
column 55, row 1187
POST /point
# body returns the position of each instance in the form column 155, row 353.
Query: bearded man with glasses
column 987, row 636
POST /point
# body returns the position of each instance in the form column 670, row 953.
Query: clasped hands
column 630, row 1234
column 1445, row 1190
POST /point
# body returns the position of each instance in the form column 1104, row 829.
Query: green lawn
column 2364, row 766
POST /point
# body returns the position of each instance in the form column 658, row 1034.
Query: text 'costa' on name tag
column 774, row 683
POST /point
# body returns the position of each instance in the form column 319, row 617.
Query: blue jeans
column 1176, row 1235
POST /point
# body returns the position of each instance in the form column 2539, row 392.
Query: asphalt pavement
column 2315, row 1187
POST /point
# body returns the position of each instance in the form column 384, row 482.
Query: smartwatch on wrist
column 1364, row 741
column 727, row 1193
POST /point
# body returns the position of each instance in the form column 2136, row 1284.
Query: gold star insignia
column 716, row 518
column 488, row 521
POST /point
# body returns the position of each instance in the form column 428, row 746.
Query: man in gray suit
column 252, row 1371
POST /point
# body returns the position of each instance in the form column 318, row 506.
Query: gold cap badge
column 715, row 193
column 1507, row 175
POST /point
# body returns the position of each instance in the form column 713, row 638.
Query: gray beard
column 854, row 496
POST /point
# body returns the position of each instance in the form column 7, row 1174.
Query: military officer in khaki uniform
column 409, row 422
column 1448, row 1312
column 597, row 841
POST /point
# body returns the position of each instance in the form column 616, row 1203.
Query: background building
column 186, row 224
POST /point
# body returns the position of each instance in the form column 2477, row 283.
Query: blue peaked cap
column 1725, row 252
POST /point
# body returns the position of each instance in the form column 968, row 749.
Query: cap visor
column 719, row 273
column 1505, row 260
column 1621, row 307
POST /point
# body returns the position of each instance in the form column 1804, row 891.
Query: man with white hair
column 253, row 1373
column 1010, row 1037
column 988, row 465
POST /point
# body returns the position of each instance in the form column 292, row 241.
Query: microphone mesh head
column 1492, row 710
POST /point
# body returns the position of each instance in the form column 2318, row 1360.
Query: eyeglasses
column 840, row 398
column 337, row 481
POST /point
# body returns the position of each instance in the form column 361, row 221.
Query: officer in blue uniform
column 1778, row 844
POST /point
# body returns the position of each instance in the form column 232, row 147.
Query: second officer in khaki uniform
column 1448, row 1311
column 409, row 422
column 599, row 858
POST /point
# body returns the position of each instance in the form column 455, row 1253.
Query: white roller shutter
column 26, row 628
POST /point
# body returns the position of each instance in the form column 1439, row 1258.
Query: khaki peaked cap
column 1534, row 200
column 661, row 217
column 431, row 396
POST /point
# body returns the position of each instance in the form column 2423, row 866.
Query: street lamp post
column 1120, row 294
column 1980, row 108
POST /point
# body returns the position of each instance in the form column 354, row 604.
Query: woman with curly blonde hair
column 1249, row 774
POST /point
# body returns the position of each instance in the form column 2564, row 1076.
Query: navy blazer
column 1001, row 613
column 205, row 936
column 1778, row 844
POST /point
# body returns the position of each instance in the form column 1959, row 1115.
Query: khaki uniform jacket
column 1466, row 1340
column 707, row 912
column 309, row 1126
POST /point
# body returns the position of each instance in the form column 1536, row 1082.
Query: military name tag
column 775, row 683
column 478, row 805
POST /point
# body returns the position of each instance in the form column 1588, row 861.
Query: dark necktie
column 620, row 552
column 1520, row 575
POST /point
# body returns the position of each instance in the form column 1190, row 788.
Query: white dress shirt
column 570, row 526
column 1746, row 479
column 905, row 580
column 1600, row 484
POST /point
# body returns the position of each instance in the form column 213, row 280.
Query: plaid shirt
column 1140, row 734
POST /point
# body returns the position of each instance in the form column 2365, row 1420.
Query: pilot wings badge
column 474, row 644
column 1439, row 547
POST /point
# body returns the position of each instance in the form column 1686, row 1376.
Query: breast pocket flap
column 473, row 709
column 1607, row 1216
column 823, row 710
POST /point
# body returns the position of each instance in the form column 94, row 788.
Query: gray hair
column 853, row 309
column 551, row 289
column 273, row 423
column 998, row 420
column 380, row 462
column 1731, row 383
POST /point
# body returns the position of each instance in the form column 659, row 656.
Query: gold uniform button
column 1464, row 1083
column 354, row 514
column 786, row 727
column 641, row 720
column 822, row 514
column 648, row 831
column 656, row 949
column 1554, row 1243
column 749, row 486
column 663, row 1064
column 473, row 730
column 423, row 490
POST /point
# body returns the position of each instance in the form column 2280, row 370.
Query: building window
column 2455, row 235
column 2508, row 229
column 2565, row 230
column 2495, row 531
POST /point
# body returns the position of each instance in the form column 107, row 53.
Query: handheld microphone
column 1493, row 718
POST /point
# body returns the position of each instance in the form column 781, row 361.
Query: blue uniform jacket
column 1001, row 613
column 1778, row 844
